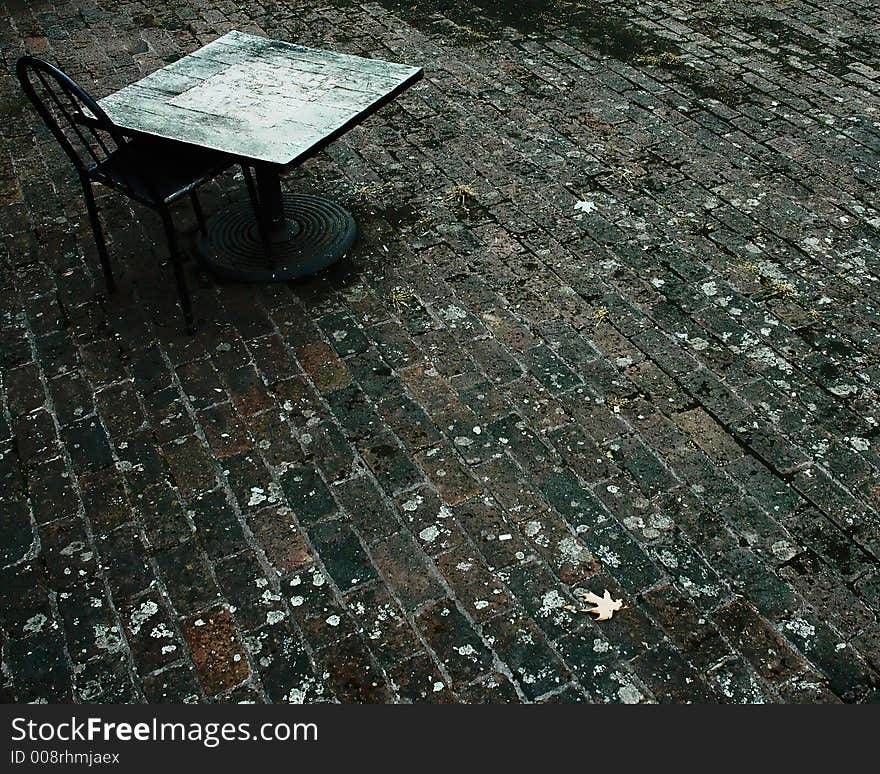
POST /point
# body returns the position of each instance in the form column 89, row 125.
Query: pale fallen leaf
column 603, row 607
column 585, row 206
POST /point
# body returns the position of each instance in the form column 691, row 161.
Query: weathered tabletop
column 260, row 99
column 270, row 103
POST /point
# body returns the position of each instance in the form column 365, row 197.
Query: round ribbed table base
column 319, row 232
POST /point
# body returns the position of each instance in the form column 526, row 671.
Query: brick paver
column 612, row 322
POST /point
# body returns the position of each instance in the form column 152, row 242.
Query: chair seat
column 156, row 171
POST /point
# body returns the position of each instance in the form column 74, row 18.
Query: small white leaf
column 603, row 607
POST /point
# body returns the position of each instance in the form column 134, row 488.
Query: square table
column 270, row 104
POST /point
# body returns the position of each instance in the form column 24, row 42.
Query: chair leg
column 200, row 213
column 177, row 263
column 98, row 233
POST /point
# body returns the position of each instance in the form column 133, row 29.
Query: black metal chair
column 150, row 170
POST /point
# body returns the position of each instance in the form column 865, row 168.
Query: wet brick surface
column 612, row 322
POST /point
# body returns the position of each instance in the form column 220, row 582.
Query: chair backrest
column 82, row 128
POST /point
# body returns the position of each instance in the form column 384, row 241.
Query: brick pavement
column 612, row 323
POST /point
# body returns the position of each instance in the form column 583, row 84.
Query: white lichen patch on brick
column 141, row 614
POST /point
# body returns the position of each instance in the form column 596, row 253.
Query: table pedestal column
column 295, row 235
